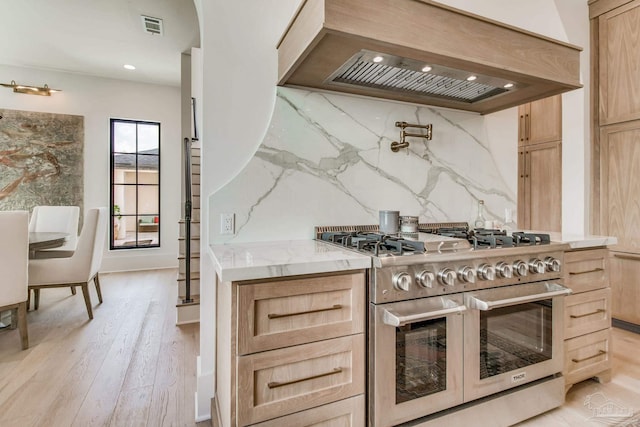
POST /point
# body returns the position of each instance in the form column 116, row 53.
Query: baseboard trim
column 627, row 326
column 187, row 314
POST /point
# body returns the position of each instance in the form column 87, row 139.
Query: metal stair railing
column 187, row 220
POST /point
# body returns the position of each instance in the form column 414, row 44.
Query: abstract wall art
column 41, row 159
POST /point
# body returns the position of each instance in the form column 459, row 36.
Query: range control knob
column 402, row 281
column 486, row 272
column 425, row 278
column 520, row 268
column 467, row 274
column 447, row 277
column 504, row 270
column 553, row 264
column 536, row 266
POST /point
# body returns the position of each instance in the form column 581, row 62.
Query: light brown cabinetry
column 587, row 316
column 615, row 105
column 625, row 286
column 619, row 53
column 540, row 165
column 291, row 346
column 540, row 121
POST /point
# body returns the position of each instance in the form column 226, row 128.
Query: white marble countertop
column 582, row 241
column 578, row 241
column 262, row 260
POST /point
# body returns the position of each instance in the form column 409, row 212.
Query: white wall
column 98, row 100
column 565, row 20
column 239, row 69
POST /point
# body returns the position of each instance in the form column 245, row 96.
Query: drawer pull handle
column 313, row 377
column 579, row 316
column 299, row 313
column 595, row 270
column 600, row 353
column 628, row 256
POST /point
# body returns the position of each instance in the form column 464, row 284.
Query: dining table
column 39, row 240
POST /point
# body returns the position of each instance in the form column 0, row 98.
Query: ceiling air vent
column 393, row 73
column 152, row 25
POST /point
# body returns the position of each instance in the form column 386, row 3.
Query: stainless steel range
column 463, row 324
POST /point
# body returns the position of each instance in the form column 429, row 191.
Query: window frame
column 112, row 185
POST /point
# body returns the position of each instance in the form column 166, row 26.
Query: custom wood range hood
column 422, row 52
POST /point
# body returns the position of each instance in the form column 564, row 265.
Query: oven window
column 421, row 359
column 514, row 337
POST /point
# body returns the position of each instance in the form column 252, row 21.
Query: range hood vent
column 423, row 52
column 403, row 75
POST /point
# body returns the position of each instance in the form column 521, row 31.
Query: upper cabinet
column 540, row 164
column 619, row 62
column 422, row 52
column 540, row 121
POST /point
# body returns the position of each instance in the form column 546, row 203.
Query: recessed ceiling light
column 378, row 59
column 426, row 69
column 129, row 67
column 508, row 86
column 471, row 78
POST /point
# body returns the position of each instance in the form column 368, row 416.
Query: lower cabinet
column 625, row 287
column 291, row 379
column 296, row 351
column 587, row 316
column 344, row 413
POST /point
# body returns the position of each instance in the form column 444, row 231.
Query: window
column 135, row 184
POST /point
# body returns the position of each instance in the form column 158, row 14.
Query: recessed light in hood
column 389, row 72
column 426, row 53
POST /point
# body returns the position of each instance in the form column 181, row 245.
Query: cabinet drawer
column 345, row 413
column 586, row 270
column 586, row 356
column 587, row 312
column 283, row 313
column 280, row 382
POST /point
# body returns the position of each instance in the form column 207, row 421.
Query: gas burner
column 530, row 239
column 375, row 243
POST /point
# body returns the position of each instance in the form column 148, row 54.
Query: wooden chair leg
column 73, row 290
column 29, row 299
column 96, row 281
column 14, row 318
column 22, row 325
column 36, row 299
column 87, row 299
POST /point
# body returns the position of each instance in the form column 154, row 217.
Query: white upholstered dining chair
column 78, row 269
column 14, row 258
column 60, row 219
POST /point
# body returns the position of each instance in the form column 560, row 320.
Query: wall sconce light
column 30, row 90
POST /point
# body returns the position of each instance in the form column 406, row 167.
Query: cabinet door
column 283, row 313
column 540, row 121
column 540, row 187
column 620, row 184
column 586, row 270
column 619, row 60
column 284, row 381
column 625, row 287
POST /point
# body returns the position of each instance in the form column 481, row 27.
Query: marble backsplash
column 325, row 160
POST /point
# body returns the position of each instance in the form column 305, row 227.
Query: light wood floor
column 129, row 366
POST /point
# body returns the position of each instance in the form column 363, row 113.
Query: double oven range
column 464, row 325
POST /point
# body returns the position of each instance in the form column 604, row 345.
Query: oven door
column 513, row 335
column 415, row 355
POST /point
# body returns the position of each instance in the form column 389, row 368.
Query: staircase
column 189, row 311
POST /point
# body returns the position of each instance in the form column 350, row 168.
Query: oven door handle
column 478, row 303
column 396, row 319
